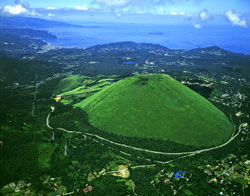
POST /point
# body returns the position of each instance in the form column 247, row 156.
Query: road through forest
column 141, row 149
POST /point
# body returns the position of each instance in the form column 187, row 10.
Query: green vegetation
column 69, row 83
column 83, row 89
column 30, row 155
column 187, row 192
column 75, row 87
column 26, row 152
column 157, row 107
column 45, row 150
column 18, row 156
column 24, row 71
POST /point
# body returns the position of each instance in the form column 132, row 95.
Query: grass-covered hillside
column 69, row 83
column 74, row 88
column 158, row 107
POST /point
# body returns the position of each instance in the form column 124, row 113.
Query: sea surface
column 232, row 38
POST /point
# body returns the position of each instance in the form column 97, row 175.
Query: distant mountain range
column 18, row 40
column 34, row 23
column 28, row 33
column 128, row 46
column 110, row 58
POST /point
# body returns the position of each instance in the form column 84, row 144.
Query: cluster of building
column 21, row 187
column 227, row 172
column 24, row 188
column 170, row 179
column 230, row 95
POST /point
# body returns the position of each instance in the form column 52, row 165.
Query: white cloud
column 148, row 6
column 140, row 12
column 22, row 8
column 114, row 3
column 182, row 13
column 139, row 3
column 34, row 13
column 197, row 26
column 84, row 8
column 173, row 13
column 235, row 18
column 51, row 8
column 15, row 10
column 49, row 14
column 204, row 15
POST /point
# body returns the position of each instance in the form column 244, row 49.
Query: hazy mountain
column 14, row 46
column 29, row 33
column 33, row 23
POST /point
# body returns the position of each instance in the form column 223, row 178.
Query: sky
column 196, row 12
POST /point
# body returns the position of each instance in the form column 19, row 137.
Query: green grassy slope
column 69, row 83
column 83, row 89
column 158, row 107
column 79, row 87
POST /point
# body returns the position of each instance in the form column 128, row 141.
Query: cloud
column 51, row 8
column 84, row 8
column 197, row 26
column 21, row 8
column 182, row 13
column 140, row 12
column 49, row 14
column 34, row 13
column 15, row 10
column 113, row 3
column 235, row 18
column 204, row 15
column 173, row 13
column 22, row 3
column 138, row 3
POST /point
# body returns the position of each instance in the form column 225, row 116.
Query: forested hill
column 127, row 57
column 29, row 33
column 128, row 46
column 16, row 46
column 23, row 72
column 33, row 23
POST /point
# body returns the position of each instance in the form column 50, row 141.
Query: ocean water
column 232, row 38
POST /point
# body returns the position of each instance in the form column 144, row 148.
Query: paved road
column 167, row 153
column 146, row 150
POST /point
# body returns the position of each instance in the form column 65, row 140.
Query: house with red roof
column 87, row 189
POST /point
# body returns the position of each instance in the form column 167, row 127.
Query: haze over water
column 235, row 39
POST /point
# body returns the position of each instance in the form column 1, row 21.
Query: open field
column 76, row 87
column 69, row 83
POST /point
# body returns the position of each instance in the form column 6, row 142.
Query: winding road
column 141, row 149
